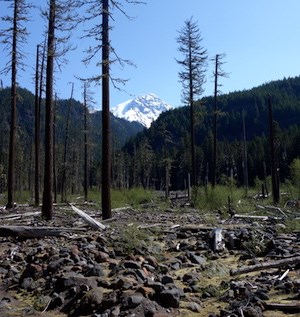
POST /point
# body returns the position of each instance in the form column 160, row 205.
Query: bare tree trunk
column 37, row 133
column 63, row 179
column 245, row 161
column 54, row 151
column 214, row 161
column 106, row 159
column 85, row 145
column 47, row 209
column 275, row 184
column 13, row 125
column 192, row 123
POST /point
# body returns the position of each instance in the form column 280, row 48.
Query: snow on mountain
column 143, row 109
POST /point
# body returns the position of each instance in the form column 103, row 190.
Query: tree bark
column 13, row 125
column 37, row 134
column 215, row 116
column 63, row 178
column 274, row 173
column 47, row 209
column 85, row 145
column 106, row 157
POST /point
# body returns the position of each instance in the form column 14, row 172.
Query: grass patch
column 211, row 199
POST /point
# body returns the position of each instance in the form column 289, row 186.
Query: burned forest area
column 186, row 211
column 151, row 260
column 228, row 250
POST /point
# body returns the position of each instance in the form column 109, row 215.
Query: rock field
column 151, row 263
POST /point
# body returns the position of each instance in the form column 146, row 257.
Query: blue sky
column 261, row 40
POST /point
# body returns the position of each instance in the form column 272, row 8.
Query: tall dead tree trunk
column 193, row 151
column 63, row 178
column 47, row 209
column 13, row 125
column 274, row 173
column 37, row 134
column 245, row 160
column 106, row 159
column 85, row 185
column 215, row 116
column 54, row 150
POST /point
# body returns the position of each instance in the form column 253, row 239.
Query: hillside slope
column 285, row 96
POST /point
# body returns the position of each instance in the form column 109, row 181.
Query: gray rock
column 96, row 270
column 157, row 286
column 169, row 298
column 133, row 301
column 90, row 301
column 132, row 265
column 166, row 279
column 196, row 259
column 74, row 280
column 191, row 278
column 194, row 307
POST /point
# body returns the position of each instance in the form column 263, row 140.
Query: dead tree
column 86, row 165
column 94, row 7
column 274, row 167
column 59, row 17
column 14, row 35
column 217, row 74
column 192, row 77
column 37, row 132
column 64, row 167
column 47, row 209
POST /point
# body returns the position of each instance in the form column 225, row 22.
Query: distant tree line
column 253, row 103
column 140, row 156
column 59, row 144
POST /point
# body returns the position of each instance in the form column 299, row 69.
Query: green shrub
column 295, row 176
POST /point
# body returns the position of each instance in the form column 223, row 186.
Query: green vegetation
column 141, row 161
column 132, row 238
column 295, row 176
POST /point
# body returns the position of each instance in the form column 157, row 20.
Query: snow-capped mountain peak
column 144, row 109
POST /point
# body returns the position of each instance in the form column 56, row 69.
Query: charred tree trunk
column 54, row 151
column 245, row 160
column 47, row 209
column 192, row 123
column 63, row 178
column 37, row 134
column 214, row 158
column 275, row 182
column 106, row 158
column 13, row 125
column 86, row 173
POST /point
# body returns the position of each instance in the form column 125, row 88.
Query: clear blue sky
column 261, row 40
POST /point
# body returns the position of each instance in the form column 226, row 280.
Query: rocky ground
column 150, row 262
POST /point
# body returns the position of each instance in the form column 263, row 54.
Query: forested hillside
column 164, row 148
column 166, row 144
column 121, row 131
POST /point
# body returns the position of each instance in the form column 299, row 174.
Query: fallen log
column 88, row 219
column 20, row 215
column 265, row 265
column 264, row 218
column 287, row 308
column 30, row 232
